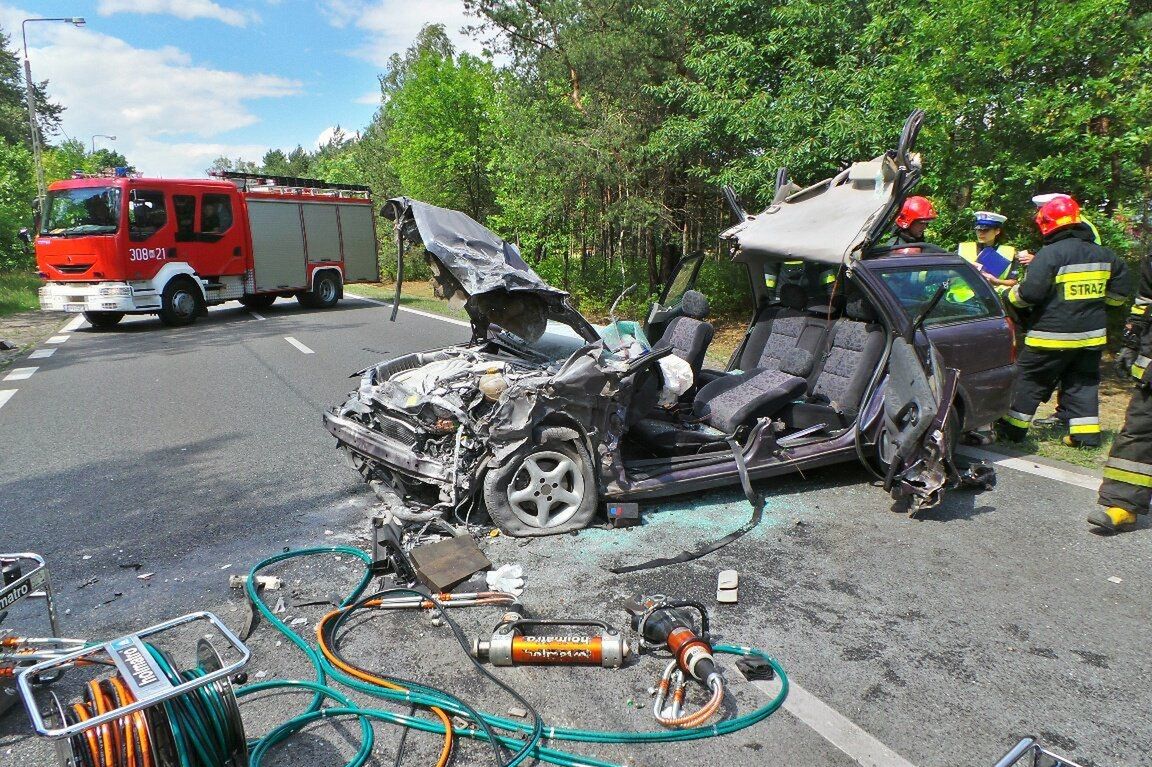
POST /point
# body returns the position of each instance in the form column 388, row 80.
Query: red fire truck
column 114, row 246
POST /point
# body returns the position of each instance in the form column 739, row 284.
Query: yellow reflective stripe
column 1139, row 310
column 1127, row 477
column 769, row 282
column 1088, row 428
column 1063, row 343
column 1115, row 299
column 1015, row 299
column 1140, row 366
column 1007, row 251
column 1126, row 465
column 829, row 278
column 1099, row 274
column 968, row 251
column 1018, row 422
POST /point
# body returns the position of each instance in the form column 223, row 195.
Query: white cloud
column 181, row 9
column 390, row 26
column 326, row 136
column 372, row 98
column 169, row 113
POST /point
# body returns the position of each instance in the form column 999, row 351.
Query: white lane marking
column 56, row 340
column 74, row 324
column 298, row 345
column 1086, row 481
column 41, row 354
column 20, row 374
column 5, row 395
column 257, row 316
column 430, row 315
column 835, row 728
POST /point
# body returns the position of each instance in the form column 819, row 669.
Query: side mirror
column 25, row 235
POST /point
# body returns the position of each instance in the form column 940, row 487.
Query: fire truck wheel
column 103, row 319
column 180, row 303
column 262, row 301
column 325, row 292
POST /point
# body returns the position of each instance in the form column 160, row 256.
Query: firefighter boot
column 1113, row 519
column 1071, row 441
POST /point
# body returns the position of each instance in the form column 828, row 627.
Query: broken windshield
column 90, row 210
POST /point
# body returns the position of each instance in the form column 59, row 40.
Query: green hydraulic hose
column 431, row 697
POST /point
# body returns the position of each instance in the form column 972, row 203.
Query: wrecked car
column 853, row 353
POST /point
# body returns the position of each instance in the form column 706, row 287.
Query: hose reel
column 143, row 709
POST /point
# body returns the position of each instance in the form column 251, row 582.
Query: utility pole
column 30, row 96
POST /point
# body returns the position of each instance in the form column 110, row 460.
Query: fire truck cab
column 114, row 246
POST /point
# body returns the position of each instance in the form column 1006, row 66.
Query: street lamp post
column 100, row 135
column 41, row 190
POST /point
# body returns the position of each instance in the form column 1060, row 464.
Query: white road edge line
column 257, row 316
column 298, row 345
column 430, row 315
column 56, row 340
column 834, row 727
column 41, row 354
column 5, row 395
column 20, row 374
column 1031, row 467
column 73, row 324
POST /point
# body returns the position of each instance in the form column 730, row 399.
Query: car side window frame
column 990, row 305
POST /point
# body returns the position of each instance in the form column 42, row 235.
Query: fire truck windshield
column 76, row 212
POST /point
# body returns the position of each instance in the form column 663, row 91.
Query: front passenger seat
column 690, row 333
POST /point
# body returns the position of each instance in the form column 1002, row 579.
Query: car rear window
column 968, row 296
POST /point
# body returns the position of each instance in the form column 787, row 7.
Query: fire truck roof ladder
column 260, row 182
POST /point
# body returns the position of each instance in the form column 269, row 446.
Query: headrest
column 860, row 308
column 797, row 362
column 694, row 304
column 793, row 297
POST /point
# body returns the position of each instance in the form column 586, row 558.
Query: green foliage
column 18, row 292
column 17, row 190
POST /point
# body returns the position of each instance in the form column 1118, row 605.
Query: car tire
column 325, row 292
column 103, row 320
column 260, row 301
column 548, row 490
column 180, row 303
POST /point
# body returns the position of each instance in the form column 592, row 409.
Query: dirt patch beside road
column 25, row 330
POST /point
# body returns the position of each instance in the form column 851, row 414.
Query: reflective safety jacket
column 1140, row 321
column 997, row 260
column 1069, row 286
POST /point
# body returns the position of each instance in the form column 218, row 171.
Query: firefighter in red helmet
column 913, row 219
column 1068, row 287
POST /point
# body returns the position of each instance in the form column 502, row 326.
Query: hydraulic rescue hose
column 522, row 741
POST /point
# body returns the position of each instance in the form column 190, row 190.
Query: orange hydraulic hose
column 364, row 676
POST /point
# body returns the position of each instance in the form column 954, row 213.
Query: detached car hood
column 474, row 265
column 829, row 222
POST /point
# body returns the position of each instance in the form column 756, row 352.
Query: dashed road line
column 57, row 340
column 1031, row 467
column 304, row 349
column 835, row 728
column 41, row 354
column 429, row 315
column 257, row 316
column 20, row 374
column 74, row 324
column 5, row 395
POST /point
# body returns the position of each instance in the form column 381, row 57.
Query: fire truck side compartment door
column 277, row 244
column 322, row 231
column 358, row 233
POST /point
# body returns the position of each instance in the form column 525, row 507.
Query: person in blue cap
column 996, row 262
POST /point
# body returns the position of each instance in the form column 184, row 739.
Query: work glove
column 1125, row 359
column 507, row 578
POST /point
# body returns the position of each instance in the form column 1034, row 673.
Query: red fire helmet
column 915, row 209
column 1057, row 213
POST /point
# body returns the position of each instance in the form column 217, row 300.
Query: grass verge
column 415, row 295
column 18, row 293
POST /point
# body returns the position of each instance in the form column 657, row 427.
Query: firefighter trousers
column 1128, row 470
column 1076, row 372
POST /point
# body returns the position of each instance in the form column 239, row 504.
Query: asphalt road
column 193, row 453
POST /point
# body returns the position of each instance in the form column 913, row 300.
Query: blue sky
column 180, row 82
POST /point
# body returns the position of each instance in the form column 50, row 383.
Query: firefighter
column 995, row 261
column 1068, row 288
column 915, row 215
column 1127, row 487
